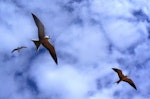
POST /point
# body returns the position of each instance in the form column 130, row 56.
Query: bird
column 123, row 77
column 18, row 49
column 44, row 39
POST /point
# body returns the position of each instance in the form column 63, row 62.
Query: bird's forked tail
column 118, row 81
column 37, row 43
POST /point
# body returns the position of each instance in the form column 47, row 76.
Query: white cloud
column 66, row 81
column 90, row 38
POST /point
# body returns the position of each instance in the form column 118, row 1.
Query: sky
column 90, row 38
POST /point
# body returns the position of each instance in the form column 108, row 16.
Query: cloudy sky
column 90, row 38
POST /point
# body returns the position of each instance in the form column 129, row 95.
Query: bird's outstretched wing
column 23, row 47
column 128, row 80
column 120, row 74
column 40, row 27
column 51, row 50
column 14, row 50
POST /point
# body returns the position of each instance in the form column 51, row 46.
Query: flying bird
column 122, row 77
column 43, row 39
column 18, row 49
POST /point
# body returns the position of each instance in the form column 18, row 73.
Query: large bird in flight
column 43, row 39
column 18, row 49
column 122, row 77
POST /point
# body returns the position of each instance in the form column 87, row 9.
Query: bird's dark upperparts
column 122, row 77
column 44, row 39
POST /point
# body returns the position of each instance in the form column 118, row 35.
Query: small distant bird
column 43, row 39
column 124, row 78
column 18, row 49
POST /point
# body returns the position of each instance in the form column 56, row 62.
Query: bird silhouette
column 43, row 39
column 18, row 49
column 122, row 77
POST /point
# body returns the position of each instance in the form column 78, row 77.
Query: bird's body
column 44, row 39
column 18, row 49
column 122, row 77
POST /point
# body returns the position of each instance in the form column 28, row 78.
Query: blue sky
column 89, row 36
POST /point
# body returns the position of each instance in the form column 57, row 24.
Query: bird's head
column 47, row 37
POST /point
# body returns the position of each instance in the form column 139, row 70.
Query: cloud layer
column 90, row 38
